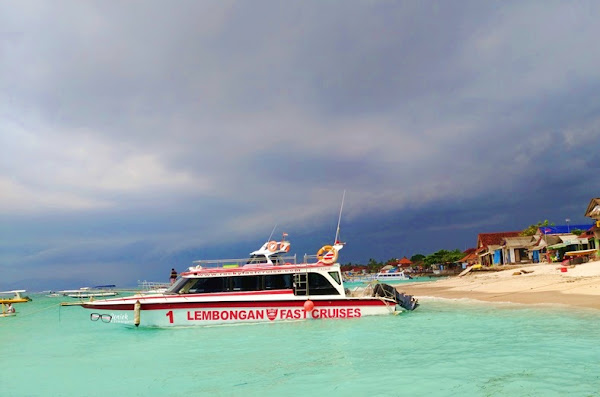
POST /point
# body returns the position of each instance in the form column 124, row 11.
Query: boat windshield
column 176, row 286
column 257, row 259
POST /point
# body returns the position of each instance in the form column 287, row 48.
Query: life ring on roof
column 284, row 246
column 272, row 245
column 327, row 254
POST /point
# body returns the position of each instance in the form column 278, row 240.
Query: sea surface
column 444, row 348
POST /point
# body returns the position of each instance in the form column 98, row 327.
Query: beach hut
column 470, row 257
column 516, row 249
column 489, row 246
column 593, row 211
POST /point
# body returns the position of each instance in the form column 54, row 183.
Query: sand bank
column 539, row 283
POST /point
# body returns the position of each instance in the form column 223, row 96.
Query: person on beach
column 173, row 275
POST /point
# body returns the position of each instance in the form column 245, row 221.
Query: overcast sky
column 138, row 136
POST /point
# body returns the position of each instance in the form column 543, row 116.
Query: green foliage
column 373, row 266
column 532, row 229
column 577, row 231
column 443, row 256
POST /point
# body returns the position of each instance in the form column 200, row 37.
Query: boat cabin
column 301, row 279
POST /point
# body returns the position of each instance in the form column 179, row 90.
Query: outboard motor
column 407, row 302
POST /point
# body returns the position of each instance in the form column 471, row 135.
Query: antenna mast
column 272, row 231
column 337, row 232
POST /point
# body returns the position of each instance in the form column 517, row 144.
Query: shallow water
column 445, row 348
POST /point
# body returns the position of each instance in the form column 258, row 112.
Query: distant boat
column 16, row 298
column 6, row 303
column 392, row 275
column 152, row 287
column 87, row 292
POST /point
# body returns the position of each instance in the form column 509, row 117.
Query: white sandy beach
column 539, row 283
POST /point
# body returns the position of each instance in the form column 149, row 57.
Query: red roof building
column 486, row 239
column 487, row 243
column 470, row 257
column 405, row 262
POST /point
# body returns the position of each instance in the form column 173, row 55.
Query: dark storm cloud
column 161, row 132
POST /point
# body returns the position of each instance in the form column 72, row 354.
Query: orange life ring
column 272, row 245
column 284, row 246
column 327, row 254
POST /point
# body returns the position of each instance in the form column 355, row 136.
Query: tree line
column 442, row 256
column 439, row 257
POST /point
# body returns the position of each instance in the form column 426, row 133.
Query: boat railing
column 234, row 263
column 152, row 285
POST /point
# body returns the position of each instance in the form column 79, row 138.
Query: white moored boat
column 269, row 286
column 100, row 291
column 392, row 275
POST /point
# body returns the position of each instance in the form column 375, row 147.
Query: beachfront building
column 515, row 250
column 404, row 262
column 558, row 240
column 593, row 211
column 470, row 258
column 489, row 247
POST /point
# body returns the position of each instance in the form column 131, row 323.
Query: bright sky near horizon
column 137, row 136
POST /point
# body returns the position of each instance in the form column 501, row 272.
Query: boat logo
column 272, row 314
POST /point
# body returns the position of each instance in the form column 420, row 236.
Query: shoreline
column 544, row 283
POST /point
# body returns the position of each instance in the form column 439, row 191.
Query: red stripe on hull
column 235, row 305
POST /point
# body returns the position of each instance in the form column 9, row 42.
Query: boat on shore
column 268, row 286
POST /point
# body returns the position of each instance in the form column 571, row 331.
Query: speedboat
column 87, row 292
column 268, row 286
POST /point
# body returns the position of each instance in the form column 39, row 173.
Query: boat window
column 317, row 285
column 211, row 284
column 335, row 276
column 278, row 281
column 178, row 286
column 257, row 259
column 245, row 283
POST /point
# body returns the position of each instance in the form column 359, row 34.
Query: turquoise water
column 354, row 284
column 445, row 348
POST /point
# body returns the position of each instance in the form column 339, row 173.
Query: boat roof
column 250, row 269
column 272, row 251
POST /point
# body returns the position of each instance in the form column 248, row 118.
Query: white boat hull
column 194, row 314
column 87, row 295
column 383, row 277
